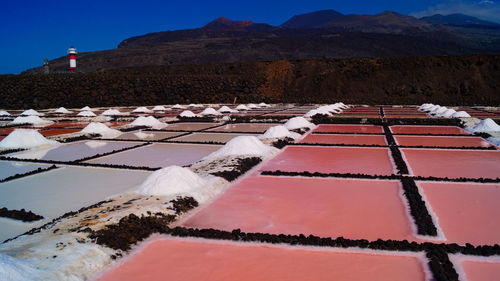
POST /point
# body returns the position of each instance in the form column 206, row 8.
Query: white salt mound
column 313, row 112
column 226, row 109
column 341, row 105
column 432, row 108
column 447, row 113
column 111, row 112
column 31, row 112
column 86, row 108
column 187, row 113
column 486, row 125
column 35, row 120
column 226, row 118
column 439, row 110
column 252, row 105
column 278, row 132
column 25, row 138
column 159, row 108
column 460, row 114
column 191, row 105
column 263, row 104
column 210, row 111
column 242, row 107
column 178, row 181
column 425, row 106
column 297, row 123
column 243, row 145
column 4, row 113
column 86, row 113
column 62, row 110
column 101, row 129
column 149, row 121
column 178, row 106
column 13, row 269
column 142, row 109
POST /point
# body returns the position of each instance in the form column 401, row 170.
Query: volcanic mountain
column 321, row 34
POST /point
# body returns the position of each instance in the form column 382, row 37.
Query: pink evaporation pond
column 432, row 130
column 467, row 212
column 194, row 260
column 246, row 127
column 195, row 126
column 55, row 132
column 318, row 206
column 345, row 139
column 363, row 160
column 453, row 163
column 481, row 270
column 69, row 125
column 442, row 141
column 340, row 128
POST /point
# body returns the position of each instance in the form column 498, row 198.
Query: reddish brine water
column 442, row 141
column 481, row 270
column 370, row 129
column 453, row 163
column 467, row 212
column 319, row 206
column 433, row 130
column 364, row 160
column 345, row 139
column 183, row 260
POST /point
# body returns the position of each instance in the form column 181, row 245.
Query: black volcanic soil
column 450, row 80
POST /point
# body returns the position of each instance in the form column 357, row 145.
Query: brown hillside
column 447, row 80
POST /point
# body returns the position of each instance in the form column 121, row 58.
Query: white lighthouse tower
column 72, row 58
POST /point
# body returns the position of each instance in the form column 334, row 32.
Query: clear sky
column 32, row 30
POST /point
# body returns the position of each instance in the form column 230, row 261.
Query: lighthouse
column 72, row 58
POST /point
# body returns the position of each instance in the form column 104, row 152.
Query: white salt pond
column 9, row 168
column 159, row 155
column 72, row 151
column 53, row 193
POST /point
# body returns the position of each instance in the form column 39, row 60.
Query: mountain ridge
column 320, row 34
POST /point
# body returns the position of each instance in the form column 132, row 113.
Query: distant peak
column 223, row 22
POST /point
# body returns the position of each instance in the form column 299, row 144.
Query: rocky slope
column 460, row 80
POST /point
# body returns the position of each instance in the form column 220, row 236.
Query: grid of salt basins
column 83, row 170
column 361, row 198
column 348, row 201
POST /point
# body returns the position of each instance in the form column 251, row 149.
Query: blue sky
column 32, row 30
